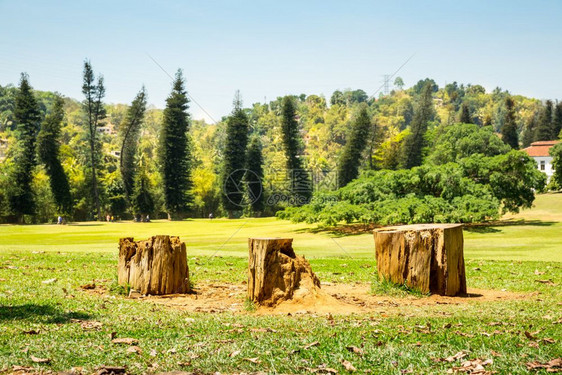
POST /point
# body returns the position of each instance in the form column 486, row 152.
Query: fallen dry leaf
column 30, row 332
column 134, row 350
column 348, row 366
column 88, row 286
column 49, row 281
column 554, row 365
column 106, row 370
column 16, row 368
column 234, row 353
column 40, row 360
column 315, row 343
column 537, row 272
column 355, row 350
column 91, row 325
column 495, row 354
column 125, row 341
column 548, row 340
column 546, row 282
column 153, row 353
column 253, row 360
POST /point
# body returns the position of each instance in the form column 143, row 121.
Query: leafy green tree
column 415, row 142
column 465, row 117
column 557, row 121
column 28, row 120
column 130, row 132
column 419, row 87
column 95, row 113
column 545, row 128
column 337, row 98
column 175, row 151
column 254, row 175
column 348, row 166
column 458, row 141
column 235, row 158
column 116, row 196
column 48, row 149
column 509, row 128
column 301, row 185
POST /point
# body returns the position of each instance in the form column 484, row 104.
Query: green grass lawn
column 73, row 328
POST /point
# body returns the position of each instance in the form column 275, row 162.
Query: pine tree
column 130, row 132
column 175, row 151
column 465, row 117
column 348, row 166
column 557, row 121
column 235, row 157
column 528, row 134
column 509, row 128
column 544, row 129
column 301, row 184
column 48, row 149
column 28, row 119
column 142, row 200
column 413, row 145
column 95, row 113
column 254, row 175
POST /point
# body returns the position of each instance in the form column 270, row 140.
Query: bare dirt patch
column 334, row 298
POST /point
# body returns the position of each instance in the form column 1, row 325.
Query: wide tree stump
column 276, row 273
column 426, row 257
column 155, row 266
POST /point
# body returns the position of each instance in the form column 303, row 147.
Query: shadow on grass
column 44, row 313
column 344, row 230
column 492, row 227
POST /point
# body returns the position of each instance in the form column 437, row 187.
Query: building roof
column 538, row 149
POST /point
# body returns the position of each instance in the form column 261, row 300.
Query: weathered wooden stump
column 155, row 266
column 275, row 272
column 426, row 257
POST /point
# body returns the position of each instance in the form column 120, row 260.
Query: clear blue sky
column 269, row 49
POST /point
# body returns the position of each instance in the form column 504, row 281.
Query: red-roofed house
column 539, row 152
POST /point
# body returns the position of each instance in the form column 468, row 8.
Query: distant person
column 211, row 216
column 147, row 219
column 107, row 218
column 59, row 220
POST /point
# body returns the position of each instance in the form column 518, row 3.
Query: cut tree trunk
column 276, row 273
column 155, row 266
column 425, row 257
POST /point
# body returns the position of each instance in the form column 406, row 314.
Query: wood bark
column 155, row 266
column 275, row 272
column 426, row 257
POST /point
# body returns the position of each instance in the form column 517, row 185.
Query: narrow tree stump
column 426, row 257
column 155, row 266
column 275, row 272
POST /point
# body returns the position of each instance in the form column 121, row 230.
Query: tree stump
column 276, row 273
column 426, row 257
column 155, row 266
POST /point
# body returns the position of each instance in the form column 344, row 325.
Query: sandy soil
column 334, row 299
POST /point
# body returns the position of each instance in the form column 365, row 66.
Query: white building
column 539, row 152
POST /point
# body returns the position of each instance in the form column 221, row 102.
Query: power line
column 190, row 97
column 390, row 77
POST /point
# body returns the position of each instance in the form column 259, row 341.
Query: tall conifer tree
column 237, row 126
column 95, row 113
column 254, row 175
column 48, row 147
column 28, row 119
column 544, row 129
column 348, row 166
column 509, row 128
column 130, row 132
column 413, row 144
column 175, row 151
column 301, row 184
column 557, row 121
column 465, row 117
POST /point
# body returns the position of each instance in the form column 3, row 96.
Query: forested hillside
column 332, row 139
